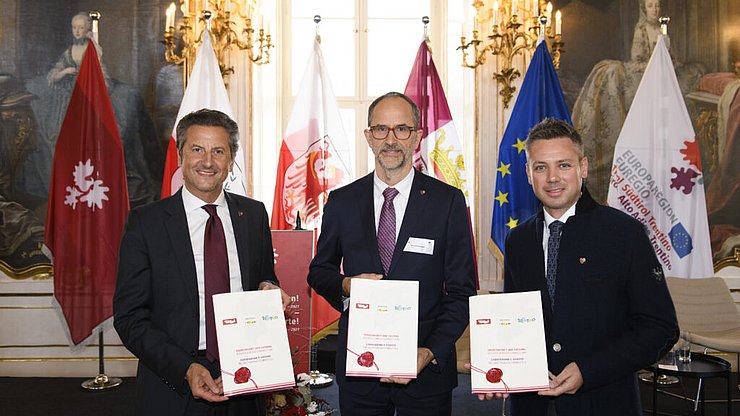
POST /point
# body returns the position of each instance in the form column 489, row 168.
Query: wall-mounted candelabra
column 223, row 19
column 507, row 38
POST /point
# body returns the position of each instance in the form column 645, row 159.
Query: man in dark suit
column 607, row 309
column 422, row 209
column 161, row 310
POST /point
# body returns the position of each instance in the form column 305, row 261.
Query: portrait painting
column 608, row 46
column 43, row 43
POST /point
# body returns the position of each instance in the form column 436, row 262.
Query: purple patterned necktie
column 216, row 271
column 387, row 229
column 553, row 246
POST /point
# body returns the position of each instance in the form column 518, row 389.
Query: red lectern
column 293, row 254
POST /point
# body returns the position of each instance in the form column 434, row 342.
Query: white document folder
column 507, row 343
column 383, row 328
column 252, row 342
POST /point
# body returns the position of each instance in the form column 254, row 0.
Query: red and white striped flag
column 88, row 205
column 314, row 156
column 205, row 90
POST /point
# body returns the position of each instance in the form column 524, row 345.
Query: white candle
column 464, row 29
column 548, row 13
column 535, row 7
column 558, row 23
column 495, row 13
column 185, row 8
column 95, row 29
column 205, row 4
column 513, row 7
column 228, row 6
column 168, row 18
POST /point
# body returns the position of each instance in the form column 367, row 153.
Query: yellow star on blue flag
column 539, row 97
column 504, row 169
column 502, row 198
column 519, row 145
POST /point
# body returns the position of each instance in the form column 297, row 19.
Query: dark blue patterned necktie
column 553, row 246
column 387, row 229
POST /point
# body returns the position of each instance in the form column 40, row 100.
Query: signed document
column 383, row 327
column 507, row 343
column 252, row 342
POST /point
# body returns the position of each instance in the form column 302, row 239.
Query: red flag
column 88, row 204
column 440, row 152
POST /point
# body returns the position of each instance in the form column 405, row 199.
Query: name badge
column 419, row 245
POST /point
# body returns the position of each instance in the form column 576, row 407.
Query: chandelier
column 223, row 19
column 507, row 38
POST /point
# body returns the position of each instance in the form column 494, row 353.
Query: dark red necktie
column 216, row 266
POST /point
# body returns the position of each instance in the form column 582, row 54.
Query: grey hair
column 86, row 17
column 210, row 118
column 414, row 108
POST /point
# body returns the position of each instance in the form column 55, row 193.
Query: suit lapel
column 367, row 212
column 238, row 215
column 179, row 235
column 539, row 262
column 417, row 202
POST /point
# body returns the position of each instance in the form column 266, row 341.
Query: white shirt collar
column 549, row 219
column 403, row 186
column 192, row 202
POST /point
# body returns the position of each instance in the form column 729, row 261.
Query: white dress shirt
column 399, row 202
column 399, row 205
column 549, row 219
column 197, row 218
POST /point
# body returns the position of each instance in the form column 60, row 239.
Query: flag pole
column 317, row 378
column 101, row 381
column 425, row 21
column 322, row 145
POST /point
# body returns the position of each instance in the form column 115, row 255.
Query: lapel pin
column 423, row 191
column 582, row 260
column 240, row 213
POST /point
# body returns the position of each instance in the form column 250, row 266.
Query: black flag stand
column 101, row 381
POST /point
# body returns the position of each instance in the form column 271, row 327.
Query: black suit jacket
column 613, row 314
column 155, row 305
column 435, row 211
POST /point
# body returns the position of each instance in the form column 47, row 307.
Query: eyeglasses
column 401, row 131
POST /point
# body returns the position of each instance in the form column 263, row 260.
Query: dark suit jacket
column 155, row 305
column 435, row 211
column 613, row 314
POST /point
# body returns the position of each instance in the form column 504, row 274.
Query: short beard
column 393, row 169
column 81, row 41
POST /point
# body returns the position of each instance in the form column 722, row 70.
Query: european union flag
column 539, row 98
column 681, row 240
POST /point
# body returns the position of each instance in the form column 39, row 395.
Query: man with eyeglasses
column 397, row 223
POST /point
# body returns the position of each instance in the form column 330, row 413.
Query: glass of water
column 683, row 352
